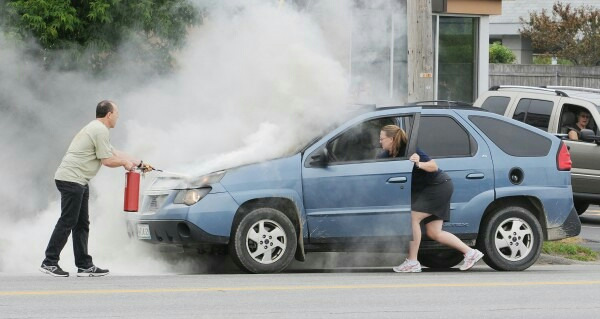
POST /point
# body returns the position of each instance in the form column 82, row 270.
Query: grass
column 569, row 248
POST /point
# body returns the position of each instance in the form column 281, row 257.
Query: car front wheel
column 264, row 241
column 511, row 239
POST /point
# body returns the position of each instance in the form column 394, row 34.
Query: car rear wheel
column 511, row 239
column 581, row 207
column 264, row 241
column 441, row 259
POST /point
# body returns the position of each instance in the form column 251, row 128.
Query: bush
column 501, row 54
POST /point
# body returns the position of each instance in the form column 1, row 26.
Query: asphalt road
column 590, row 226
column 543, row 291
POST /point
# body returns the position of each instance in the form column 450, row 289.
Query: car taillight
column 563, row 158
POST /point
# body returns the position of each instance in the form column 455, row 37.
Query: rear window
column 534, row 112
column 512, row 139
column 496, row 104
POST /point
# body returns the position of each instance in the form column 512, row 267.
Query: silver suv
column 554, row 109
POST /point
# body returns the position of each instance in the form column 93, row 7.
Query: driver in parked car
column 432, row 190
column 583, row 120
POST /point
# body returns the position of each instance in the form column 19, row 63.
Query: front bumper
column 570, row 228
column 175, row 232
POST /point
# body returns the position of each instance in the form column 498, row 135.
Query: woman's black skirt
column 433, row 199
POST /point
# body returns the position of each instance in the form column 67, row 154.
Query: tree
column 92, row 31
column 569, row 33
column 501, row 54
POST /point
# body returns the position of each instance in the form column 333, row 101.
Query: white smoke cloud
column 256, row 80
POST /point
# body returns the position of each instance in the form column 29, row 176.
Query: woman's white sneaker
column 408, row 266
column 471, row 258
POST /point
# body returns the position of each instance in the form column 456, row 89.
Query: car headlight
column 191, row 196
column 205, row 180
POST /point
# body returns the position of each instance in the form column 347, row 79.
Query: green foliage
column 90, row 32
column 501, row 54
column 570, row 250
column 569, row 33
column 546, row 59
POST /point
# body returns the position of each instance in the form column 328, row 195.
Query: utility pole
column 420, row 50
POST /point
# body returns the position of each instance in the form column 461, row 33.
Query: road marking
column 294, row 288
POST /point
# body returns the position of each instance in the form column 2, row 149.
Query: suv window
column 442, row 136
column 534, row 112
column 360, row 142
column 496, row 104
column 529, row 144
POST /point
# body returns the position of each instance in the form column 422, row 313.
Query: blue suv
column 512, row 191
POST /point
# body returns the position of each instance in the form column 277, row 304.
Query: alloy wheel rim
column 514, row 239
column 266, row 241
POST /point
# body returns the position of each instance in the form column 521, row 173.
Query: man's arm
column 120, row 159
column 126, row 156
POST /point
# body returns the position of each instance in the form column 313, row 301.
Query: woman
column 430, row 200
column 583, row 119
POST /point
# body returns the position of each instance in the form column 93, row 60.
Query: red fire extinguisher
column 132, row 191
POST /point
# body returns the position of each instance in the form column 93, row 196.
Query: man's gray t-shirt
column 83, row 158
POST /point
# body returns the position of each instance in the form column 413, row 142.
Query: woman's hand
column 415, row 158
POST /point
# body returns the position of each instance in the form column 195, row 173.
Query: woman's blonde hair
column 399, row 139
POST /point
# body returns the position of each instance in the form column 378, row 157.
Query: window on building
column 457, row 58
column 534, row 112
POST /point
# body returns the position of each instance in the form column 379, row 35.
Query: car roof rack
column 557, row 92
column 572, row 88
column 441, row 103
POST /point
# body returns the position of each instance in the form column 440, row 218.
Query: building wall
column 479, row 7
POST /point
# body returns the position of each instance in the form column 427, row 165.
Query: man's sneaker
column 408, row 266
column 91, row 272
column 53, row 271
column 471, row 258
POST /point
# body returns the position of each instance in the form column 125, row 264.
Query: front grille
column 153, row 202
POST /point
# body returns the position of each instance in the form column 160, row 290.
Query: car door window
column 442, row 136
column 496, row 104
column 361, row 142
column 534, row 112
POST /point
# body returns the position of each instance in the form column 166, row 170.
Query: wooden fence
column 536, row 75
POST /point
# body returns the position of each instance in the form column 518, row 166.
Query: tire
column 503, row 251
column 441, row 259
column 581, row 207
column 253, row 233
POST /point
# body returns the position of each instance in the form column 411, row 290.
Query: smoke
column 256, row 80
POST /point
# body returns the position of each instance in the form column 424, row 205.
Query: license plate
column 143, row 231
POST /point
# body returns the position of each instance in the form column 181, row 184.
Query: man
column 583, row 119
column 89, row 150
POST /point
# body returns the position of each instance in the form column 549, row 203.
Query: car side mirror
column 320, row 158
column 587, row 135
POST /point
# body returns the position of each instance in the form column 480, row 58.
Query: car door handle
column 475, row 176
column 397, row 179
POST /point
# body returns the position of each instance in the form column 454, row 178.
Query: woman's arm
column 429, row 166
column 573, row 135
